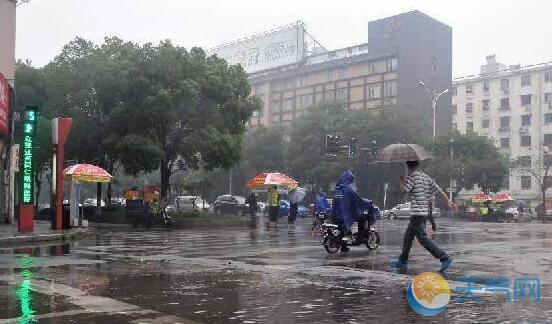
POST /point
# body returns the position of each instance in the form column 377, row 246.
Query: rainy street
column 239, row 275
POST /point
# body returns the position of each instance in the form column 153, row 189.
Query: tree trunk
column 38, row 184
column 543, row 202
column 165, row 177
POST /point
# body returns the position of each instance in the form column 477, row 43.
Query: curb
column 64, row 236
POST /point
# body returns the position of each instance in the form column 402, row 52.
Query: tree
column 188, row 110
column 540, row 169
column 476, row 162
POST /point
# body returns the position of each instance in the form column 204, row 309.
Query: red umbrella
column 87, row 173
column 481, row 198
column 266, row 180
column 502, row 197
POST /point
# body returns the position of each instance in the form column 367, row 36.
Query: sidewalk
column 9, row 234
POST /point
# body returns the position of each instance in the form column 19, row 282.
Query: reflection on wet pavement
column 264, row 276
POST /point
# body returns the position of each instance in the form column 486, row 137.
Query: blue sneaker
column 399, row 263
column 445, row 263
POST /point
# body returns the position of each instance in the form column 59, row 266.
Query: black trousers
column 416, row 228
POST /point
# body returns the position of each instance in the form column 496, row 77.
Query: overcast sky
column 517, row 31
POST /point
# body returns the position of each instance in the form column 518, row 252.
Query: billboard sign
column 280, row 47
column 4, row 105
column 27, row 155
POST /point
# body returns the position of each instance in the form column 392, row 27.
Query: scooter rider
column 346, row 206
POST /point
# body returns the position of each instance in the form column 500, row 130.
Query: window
column 469, row 127
column 525, row 120
column 469, row 107
column 548, row 118
column 525, row 161
column 526, row 80
column 454, row 126
column 342, row 73
column 525, row 182
column 505, row 122
column 505, row 103
column 485, row 104
column 288, row 105
column 276, row 106
column 526, row 100
column 373, row 91
column 341, row 95
column 469, row 88
column 526, row 140
column 485, row 85
column 454, row 91
column 548, row 97
column 548, row 76
column 306, row 101
column 390, row 88
column 371, row 68
column 505, row 84
column 505, row 142
column 391, row 64
column 547, row 139
column 485, row 123
column 454, row 109
column 506, row 182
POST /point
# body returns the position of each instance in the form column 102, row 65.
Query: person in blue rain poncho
column 347, row 205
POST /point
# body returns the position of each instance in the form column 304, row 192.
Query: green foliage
column 476, row 162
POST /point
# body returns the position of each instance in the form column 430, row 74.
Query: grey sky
column 517, row 31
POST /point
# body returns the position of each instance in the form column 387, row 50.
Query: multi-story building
column 513, row 106
column 384, row 72
column 7, row 39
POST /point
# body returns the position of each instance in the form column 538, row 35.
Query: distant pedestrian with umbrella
column 296, row 195
column 422, row 188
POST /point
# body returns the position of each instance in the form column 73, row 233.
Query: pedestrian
column 273, row 201
column 293, row 208
column 422, row 189
column 252, row 201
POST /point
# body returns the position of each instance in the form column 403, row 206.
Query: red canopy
column 502, row 197
column 481, row 198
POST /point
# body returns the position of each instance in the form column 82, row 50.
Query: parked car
column 191, row 203
column 227, row 204
column 92, row 202
column 403, row 211
column 118, row 201
column 302, row 211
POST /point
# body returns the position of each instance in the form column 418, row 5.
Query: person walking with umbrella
column 422, row 189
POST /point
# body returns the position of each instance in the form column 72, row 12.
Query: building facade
column 513, row 106
column 7, row 39
column 384, row 72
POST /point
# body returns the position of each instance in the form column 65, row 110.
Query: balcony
column 504, row 129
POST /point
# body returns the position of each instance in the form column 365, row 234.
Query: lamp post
column 434, row 96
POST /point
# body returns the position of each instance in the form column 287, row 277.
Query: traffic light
column 329, row 139
column 352, row 147
column 332, row 144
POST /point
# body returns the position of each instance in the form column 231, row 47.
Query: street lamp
column 434, row 96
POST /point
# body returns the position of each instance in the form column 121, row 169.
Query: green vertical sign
column 27, row 158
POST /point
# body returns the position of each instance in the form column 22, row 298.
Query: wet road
column 265, row 276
